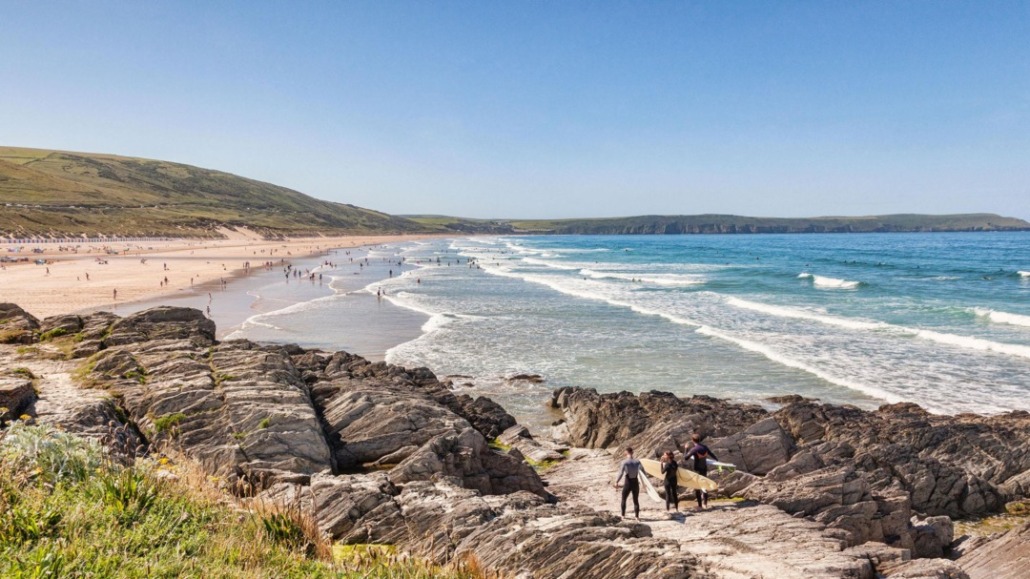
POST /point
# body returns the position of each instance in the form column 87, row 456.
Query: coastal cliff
column 728, row 224
column 381, row 454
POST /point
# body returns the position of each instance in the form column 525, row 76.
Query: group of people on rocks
column 631, row 469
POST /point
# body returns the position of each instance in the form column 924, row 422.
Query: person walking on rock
column 700, row 453
column 630, row 468
column 669, row 471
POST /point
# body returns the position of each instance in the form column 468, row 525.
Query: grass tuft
column 496, row 444
column 51, row 334
column 24, row 373
column 168, row 421
column 68, row 512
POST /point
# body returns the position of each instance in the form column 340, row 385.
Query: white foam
column 550, row 264
column 939, row 337
column 791, row 363
column 593, row 250
column 788, row 312
column 670, row 280
column 829, row 282
column 1003, row 317
column 1023, row 274
column 972, row 343
column 586, row 289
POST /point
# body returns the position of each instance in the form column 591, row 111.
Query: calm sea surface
column 938, row 319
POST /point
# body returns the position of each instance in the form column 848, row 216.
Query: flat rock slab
column 733, row 540
column 1006, row 557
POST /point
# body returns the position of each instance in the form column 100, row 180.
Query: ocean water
column 939, row 319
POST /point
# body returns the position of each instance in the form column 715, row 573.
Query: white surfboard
column 651, row 492
column 722, row 465
column 684, row 477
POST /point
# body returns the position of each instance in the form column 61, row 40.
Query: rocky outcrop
column 757, row 449
column 16, row 325
column 257, row 416
column 842, row 499
column 517, row 534
column 16, row 394
column 950, row 465
column 651, row 422
column 925, row 569
column 1006, row 556
column 385, row 454
column 519, row 439
column 162, row 323
column 61, row 325
column 869, row 476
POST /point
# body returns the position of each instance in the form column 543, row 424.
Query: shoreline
column 250, row 296
column 86, row 281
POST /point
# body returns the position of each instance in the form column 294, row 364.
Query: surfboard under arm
column 651, row 492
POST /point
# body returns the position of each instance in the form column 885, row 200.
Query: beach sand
column 88, row 279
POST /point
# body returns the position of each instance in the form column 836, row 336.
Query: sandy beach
column 89, row 277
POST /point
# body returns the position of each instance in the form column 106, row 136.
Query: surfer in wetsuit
column 700, row 453
column 630, row 468
column 669, row 468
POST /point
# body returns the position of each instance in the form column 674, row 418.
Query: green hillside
column 58, row 193
column 686, row 224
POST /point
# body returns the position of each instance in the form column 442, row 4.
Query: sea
column 939, row 319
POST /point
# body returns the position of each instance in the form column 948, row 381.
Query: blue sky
column 534, row 109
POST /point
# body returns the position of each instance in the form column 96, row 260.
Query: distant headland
column 50, row 195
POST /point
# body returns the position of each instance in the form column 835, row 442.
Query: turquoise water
column 938, row 319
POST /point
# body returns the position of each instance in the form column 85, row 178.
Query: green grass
column 68, row 512
column 542, row 465
column 221, row 378
column 9, row 336
column 24, row 373
column 83, row 375
column 137, row 375
column 168, row 421
column 88, row 193
column 987, row 526
column 51, row 334
column 496, row 444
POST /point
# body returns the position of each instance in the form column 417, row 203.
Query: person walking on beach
column 669, row 471
column 700, row 453
column 630, row 468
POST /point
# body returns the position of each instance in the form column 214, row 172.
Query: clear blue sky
column 546, row 109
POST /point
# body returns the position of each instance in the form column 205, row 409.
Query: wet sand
column 374, row 325
column 89, row 278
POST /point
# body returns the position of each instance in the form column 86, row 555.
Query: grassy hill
column 681, row 224
column 58, row 193
column 62, row 194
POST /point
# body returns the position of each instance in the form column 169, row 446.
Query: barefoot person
column 700, row 453
column 669, row 468
column 630, row 468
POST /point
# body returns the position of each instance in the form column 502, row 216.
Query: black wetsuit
column 671, row 493
column 700, row 453
column 631, row 469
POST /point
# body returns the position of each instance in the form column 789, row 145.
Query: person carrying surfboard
column 670, row 471
column 630, row 468
column 700, row 453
